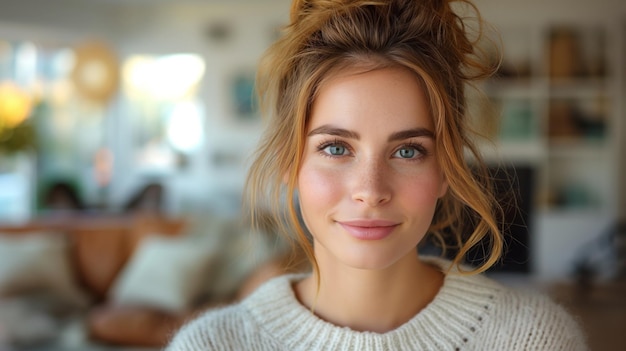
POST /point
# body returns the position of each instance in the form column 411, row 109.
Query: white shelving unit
column 557, row 107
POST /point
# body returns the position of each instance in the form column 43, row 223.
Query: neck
column 371, row 300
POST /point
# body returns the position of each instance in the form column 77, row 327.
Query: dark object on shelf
column 607, row 253
column 148, row 199
column 62, row 196
column 514, row 192
column 562, row 123
column 567, row 120
column 509, row 70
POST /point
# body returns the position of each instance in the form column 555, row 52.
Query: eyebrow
column 330, row 130
column 411, row 133
column 401, row 135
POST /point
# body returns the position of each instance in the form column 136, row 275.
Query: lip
column 369, row 229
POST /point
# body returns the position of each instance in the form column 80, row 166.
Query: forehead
column 388, row 95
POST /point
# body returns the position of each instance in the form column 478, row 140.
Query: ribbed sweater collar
column 458, row 311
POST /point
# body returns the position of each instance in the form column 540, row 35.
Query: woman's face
column 369, row 180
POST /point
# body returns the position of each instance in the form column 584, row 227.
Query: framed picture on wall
column 243, row 96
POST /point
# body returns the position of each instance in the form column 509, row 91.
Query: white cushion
column 166, row 273
column 38, row 262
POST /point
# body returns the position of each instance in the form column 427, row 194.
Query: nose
column 371, row 184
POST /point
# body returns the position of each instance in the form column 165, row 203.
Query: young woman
column 366, row 148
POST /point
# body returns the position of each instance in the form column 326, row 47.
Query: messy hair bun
column 429, row 38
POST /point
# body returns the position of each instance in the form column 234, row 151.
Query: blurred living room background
column 126, row 127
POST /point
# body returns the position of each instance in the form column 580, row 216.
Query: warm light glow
column 94, row 74
column 184, row 127
column 163, row 90
column 167, row 77
column 15, row 104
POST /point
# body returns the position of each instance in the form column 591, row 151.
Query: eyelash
column 423, row 152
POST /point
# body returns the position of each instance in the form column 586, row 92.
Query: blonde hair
column 428, row 38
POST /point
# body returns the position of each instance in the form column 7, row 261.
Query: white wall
column 172, row 28
column 164, row 27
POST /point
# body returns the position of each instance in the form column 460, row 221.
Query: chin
column 373, row 261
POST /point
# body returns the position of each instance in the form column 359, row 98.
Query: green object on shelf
column 576, row 196
column 517, row 121
column 19, row 138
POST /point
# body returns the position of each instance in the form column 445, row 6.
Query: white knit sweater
column 468, row 313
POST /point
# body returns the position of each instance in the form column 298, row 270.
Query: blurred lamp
column 15, row 105
column 169, row 77
column 96, row 72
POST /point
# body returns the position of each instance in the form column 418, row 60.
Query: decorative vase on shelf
column 17, row 145
column 17, row 171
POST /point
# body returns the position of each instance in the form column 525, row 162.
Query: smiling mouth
column 369, row 229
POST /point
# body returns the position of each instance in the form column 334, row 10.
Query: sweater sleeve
column 530, row 321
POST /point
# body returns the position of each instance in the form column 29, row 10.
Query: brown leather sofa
column 100, row 247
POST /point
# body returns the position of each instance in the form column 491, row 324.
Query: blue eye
column 406, row 153
column 410, row 152
column 335, row 150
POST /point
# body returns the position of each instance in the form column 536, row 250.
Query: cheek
column 318, row 188
column 422, row 191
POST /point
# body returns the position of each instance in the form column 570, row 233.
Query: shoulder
column 534, row 320
column 480, row 313
column 525, row 315
column 503, row 318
